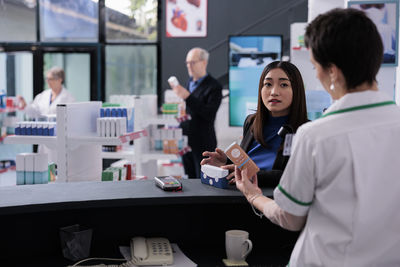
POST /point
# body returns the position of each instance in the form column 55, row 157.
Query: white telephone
column 151, row 251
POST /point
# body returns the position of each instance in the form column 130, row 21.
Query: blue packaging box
column 40, row 177
column 20, row 177
column 214, row 176
column 129, row 119
column 18, row 130
column 29, row 178
column 107, row 112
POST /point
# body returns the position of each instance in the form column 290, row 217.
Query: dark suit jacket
column 202, row 105
column 265, row 178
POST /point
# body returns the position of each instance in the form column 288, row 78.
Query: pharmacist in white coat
column 46, row 102
column 341, row 186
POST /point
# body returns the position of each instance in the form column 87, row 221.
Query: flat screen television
column 248, row 55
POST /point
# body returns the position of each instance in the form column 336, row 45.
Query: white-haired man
column 203, row 96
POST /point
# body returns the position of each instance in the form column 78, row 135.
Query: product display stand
column 144, row 157
column 77, row 144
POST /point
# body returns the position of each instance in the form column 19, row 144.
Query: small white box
column 170, row 134
column 117, row 127
column 178, row 133
column 122, row 124
column 98, row 126
column 20, row 162
column 112, row 127
column 29, row 162
column 108, row 127
column 103, row 127
column 164, row 134
column 41, row 162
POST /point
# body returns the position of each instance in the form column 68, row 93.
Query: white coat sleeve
column 33, row 110
column 295, row 192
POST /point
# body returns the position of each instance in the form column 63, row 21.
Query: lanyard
column 375, row 105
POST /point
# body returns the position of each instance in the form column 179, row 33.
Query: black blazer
column 202, row 105
column 265, row 178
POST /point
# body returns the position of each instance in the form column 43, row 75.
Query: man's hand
column 181, row 92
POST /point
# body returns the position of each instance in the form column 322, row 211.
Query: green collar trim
column 375, row 105
column 292, row 198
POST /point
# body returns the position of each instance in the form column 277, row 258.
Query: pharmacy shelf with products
column 76, row 144
column 78, row 139
column 9, row 115
column 164, row 141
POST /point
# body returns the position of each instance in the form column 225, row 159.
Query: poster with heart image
column 186, row 18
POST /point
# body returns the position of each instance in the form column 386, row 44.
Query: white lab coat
column 344, row 176
column 41, row 106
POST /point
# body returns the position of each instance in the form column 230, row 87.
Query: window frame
column 95, row 49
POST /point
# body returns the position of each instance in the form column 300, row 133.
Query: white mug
column 237, row 244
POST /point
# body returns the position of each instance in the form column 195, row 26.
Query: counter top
column 76, row 195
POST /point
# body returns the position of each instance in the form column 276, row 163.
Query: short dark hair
column 298, row 109
column 348, row 39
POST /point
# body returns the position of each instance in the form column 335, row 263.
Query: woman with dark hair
column 341, row 185
column 281, row 101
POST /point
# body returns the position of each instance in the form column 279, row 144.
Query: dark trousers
column 191, row 164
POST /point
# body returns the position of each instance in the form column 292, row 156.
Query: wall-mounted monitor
column 248, row 55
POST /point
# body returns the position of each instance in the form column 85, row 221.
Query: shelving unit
column 49, row 141
column 144, row 157
column 79, row 155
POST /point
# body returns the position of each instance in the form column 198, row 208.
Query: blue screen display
column 248, row 55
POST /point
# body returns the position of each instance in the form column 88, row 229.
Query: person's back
column 358, row 185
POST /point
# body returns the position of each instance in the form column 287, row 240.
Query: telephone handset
column 151, row 251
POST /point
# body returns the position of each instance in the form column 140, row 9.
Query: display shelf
column 161, row 119
column 106, row 141
column 165, row 120
column 94, row 140
column 49, row 141
column 158, row 155
column 118, row 154
column 300, row 48
column 7, row 110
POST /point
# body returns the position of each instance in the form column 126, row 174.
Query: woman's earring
column 332, row 87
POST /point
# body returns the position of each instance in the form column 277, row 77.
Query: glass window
column 131, row 20
column 77, row 72
column 131, row 70
column 18, row 74
column 68, row 20
column 18, row 21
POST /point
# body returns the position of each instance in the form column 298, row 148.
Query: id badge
column 287, row 145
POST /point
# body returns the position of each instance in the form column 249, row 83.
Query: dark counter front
column 196, row 219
